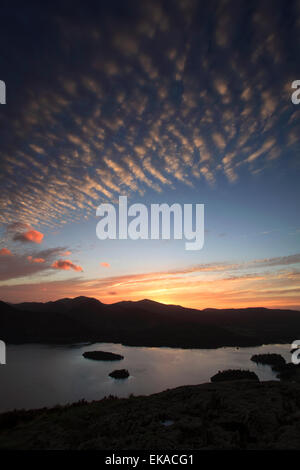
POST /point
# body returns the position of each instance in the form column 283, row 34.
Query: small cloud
column 31, row 236
column 65, row 265
column 66, row 253
column 35, row 260
column 5, row 252
column 105, row 265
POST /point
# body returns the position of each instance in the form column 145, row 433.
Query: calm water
column 42, row 375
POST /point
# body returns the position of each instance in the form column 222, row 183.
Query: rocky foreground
column 228, row 415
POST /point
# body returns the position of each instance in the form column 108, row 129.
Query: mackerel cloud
column 144, row 104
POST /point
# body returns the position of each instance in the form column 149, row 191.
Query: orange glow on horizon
column 270, row 291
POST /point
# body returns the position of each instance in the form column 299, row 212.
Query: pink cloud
column 65, row 265
column 66, row 253
column 32, row 236
column 35, row 260
column 21, row 265
column 5, row 252
column 105, row 265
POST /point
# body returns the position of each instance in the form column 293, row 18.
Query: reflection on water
column 42, row 375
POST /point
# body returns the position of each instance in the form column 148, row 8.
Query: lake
column 45, row 375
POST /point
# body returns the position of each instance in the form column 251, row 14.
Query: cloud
column 27, row 265
column 13, row 267
column 278, row 261
column 5, row 252
column 17, row 226
column 35, row 260
column 104, row 264
column 275, row 288
column 65, row 265
column 17, row 266
column 176, row 112
column 31, row 236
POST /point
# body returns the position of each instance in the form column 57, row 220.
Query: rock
column 119, row 374
column 102, row 356
column 234, row 374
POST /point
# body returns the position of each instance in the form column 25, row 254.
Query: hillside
column 227, row 415
column 145, row 323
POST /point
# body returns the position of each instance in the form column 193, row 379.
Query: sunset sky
column 163, row 102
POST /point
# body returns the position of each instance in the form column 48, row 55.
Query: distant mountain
column 145, row 323
column 61, row 305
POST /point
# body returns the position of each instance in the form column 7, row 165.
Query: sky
column 184, row 102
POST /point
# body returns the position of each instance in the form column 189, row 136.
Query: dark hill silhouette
column 239, row 414
column 17, row 326
column 61, row 305
column 145, row 323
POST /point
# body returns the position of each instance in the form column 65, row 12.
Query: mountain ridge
column 145, row 323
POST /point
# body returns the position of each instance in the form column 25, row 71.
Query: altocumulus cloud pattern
column 142, row 96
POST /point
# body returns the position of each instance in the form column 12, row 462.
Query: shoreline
column 91, row 343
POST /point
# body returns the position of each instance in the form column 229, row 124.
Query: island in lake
column 285, row 370
column 102, row 356
column 270, row 359
column 119, row 374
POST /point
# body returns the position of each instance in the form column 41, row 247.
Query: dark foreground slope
column 228, row 415
column 145, row 323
